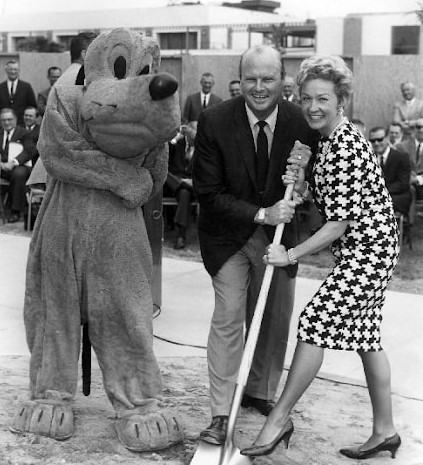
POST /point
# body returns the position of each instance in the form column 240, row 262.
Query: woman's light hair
column 329, row 68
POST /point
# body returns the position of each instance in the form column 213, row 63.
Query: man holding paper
column 17, row 150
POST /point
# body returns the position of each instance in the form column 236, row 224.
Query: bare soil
column 330, row 416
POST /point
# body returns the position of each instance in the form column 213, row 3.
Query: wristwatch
column 261, row 216
column 15, row 162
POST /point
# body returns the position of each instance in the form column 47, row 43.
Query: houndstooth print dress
column 348, row 185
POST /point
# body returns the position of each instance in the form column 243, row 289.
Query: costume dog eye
column 120, row 67
column 145, row 70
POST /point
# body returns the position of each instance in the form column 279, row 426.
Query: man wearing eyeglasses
column 414, row 148
column 396, row 168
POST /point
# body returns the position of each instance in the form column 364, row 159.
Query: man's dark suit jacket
column 194, row 106
column 35, row 134
column 22, row 136
column 396, row 171
column 24, row 97
column 224, row 174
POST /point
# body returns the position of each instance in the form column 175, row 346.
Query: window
column 177, row 40
column 405, row 40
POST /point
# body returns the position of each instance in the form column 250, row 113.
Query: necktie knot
column 261, row 125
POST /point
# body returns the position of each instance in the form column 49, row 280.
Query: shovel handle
column 253, row 333
column 254, row 330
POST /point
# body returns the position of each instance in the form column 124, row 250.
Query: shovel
column 229, row 454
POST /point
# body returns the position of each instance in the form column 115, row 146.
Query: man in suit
column 14, row 93
column 179, row 180
column 75, row 74
column 33, row 128
column 288, row 90
column 414, row 148
column 235, row 88
column 241, row 152
column 196, row 103
column 13, row 167
column 396, row 168
column 53, row 74
column 408, row 110
column 395, row 134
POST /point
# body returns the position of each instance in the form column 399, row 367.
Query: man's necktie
column 419, row 147
column 262, row 161
column 12, row 94
column 204, row 102
column 5, row 154
column 381, row 162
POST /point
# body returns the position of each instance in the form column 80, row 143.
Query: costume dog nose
column 163, row 85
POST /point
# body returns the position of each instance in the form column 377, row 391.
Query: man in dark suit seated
column 33, row 128
column 179, row 179
column 241, row 152
column 396, row 168
column 196, row 103
column 14, row 93
column 17, row 151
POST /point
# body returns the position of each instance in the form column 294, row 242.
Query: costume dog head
column 128, row 107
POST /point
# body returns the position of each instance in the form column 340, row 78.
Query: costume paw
column 148, row 432
column 44, row 417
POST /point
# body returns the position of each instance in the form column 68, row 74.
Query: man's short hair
column 378, row 128
column 79, row 43
column 394, row 123
column 260, row 49
column 207, row 75
column 8, row 110
column 12, row 62
column 235, row 81
column 32, row 108
column 53, row 68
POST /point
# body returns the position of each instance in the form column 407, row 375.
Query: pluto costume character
column 104, row 149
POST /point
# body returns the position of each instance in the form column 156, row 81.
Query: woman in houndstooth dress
column 359, row 225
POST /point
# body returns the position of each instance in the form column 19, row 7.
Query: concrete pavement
column 187, row 304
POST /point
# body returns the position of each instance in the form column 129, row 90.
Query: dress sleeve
column 344, row 179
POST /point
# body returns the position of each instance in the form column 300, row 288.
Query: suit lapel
column 5, row 91
column 278, row 153
column 244, row 140
column 388, row 162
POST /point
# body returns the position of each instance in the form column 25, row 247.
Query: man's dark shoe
column 216, row 432
column 180, row 243
column 261, row 405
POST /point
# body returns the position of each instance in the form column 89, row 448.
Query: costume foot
column 148, row 432
column 44, row 417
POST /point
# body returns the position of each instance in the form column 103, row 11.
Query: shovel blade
column 208, row 454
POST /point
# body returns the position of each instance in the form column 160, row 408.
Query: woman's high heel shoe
column 266, row 449
column 390, row 444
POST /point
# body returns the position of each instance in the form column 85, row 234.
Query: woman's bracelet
column 292, row 257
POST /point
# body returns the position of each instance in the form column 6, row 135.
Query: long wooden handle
column 253, row 333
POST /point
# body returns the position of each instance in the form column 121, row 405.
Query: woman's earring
column 340, row 111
